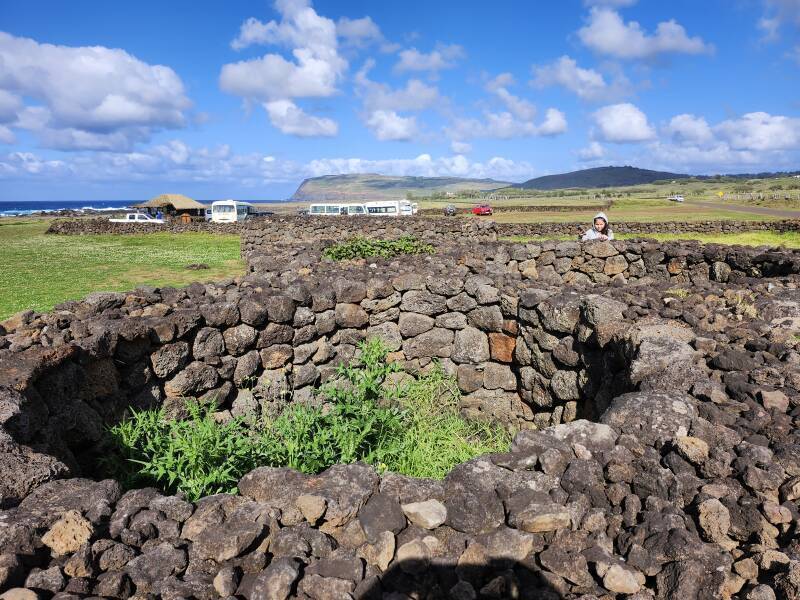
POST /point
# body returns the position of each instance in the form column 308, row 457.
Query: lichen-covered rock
column 68, row 534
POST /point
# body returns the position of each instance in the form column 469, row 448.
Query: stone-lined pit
column 658, row 402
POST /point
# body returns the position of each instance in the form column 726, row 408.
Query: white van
column 329, row 209
column 389, row 208
column 231, row 211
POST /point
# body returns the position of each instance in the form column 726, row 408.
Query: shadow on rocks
column 423, row 578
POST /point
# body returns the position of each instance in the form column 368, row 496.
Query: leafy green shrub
column 197, row 456
column 360, row 247
column 353, row 427
column 412, row 428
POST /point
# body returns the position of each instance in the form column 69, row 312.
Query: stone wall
column 524, row 350
column 290, row 229
column 685, row 486
column 575, row 228
column 104, row 226
column 574, row 263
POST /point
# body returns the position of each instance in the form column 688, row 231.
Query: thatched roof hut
column 178, row 202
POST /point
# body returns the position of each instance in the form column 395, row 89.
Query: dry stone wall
column 673, row 227
column 657, row 456
column 291, row 229
column 104, row 226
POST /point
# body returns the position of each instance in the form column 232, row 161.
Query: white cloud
column 518, row 120
column 442, row 57
column 691, row 129
column 594, row 151
column 753, row 141
column 273, row 77
column 460, row 147
column 587, row 84
column 290, row 119
column 387, row 125
column 760, row 131
column 382, row 104
column 10, row 105
column 622, row 123
column 416, row 95
column 555, row 122
column 769, row 28
column 314, row 72
column 505, row 125
column 776, row 14
column 177, row 162
column 87, row 97
column 358, row 33
column 715, row 157
column 426, row 166
column 606, row 33
column 519, row 107
column 503, row 80
column 6, row 135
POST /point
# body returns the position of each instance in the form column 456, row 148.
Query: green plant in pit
column 351, row 427
column 412, row 428
column 197, row 456
column 361, row 247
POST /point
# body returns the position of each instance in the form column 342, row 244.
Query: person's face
column 599, row 224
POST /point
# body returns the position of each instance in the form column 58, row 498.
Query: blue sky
column 110, row 100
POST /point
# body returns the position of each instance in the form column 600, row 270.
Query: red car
column 482, row 210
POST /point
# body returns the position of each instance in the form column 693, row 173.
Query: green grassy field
column 38, row 271
column 755, row 238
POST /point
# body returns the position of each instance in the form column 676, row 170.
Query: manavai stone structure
column 655, row 388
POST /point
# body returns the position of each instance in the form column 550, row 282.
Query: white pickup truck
column 138, row 218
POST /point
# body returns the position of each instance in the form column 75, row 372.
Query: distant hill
column 599, row 177
column 367, row 186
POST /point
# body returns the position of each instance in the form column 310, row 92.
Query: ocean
column 12, row 209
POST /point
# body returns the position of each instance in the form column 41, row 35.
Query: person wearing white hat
column 600, row 230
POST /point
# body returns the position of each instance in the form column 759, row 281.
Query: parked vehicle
column 231, row 211
column 482, row 210
column 207, row 213
column 450, row 211
column 330, row 209
column 676, row 198
column 138, row 218
column 358, row 210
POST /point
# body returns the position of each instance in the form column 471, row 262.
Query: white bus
column 231, row 211
column 328, row 209
column 389, row 208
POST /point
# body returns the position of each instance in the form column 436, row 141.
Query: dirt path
column 761, row 210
